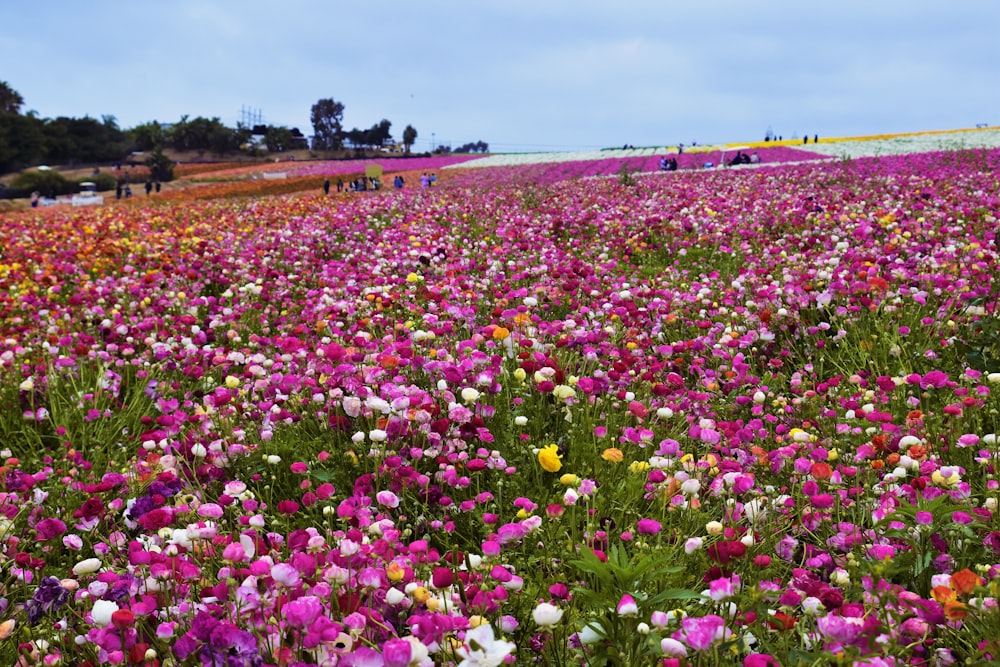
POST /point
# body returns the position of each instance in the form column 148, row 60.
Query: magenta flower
column 302, row 612
column 627, row 606
column 700, row 632
column 50, row 528
column 649, row 527
column 397, row 653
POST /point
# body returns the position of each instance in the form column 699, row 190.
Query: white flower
column 470, row 395
column 590, row 634
column 102, row 611
column 481, row 649
column 87, row 566
column 377, row 435
column 664, row 413
column 692, row 544
column 546, row 615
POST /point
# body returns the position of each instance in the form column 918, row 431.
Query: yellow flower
column 569, row 479
column 549, row 458
column 500, row 333
column 395, row 572
column 613, row 455
column 639, row 466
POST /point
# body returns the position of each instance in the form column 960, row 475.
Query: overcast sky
column 518, row 74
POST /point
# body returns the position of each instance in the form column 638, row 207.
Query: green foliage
column 22, row 141
column 104, row 181
column 409, row 137
column 10, row 100
column 49, row 183
column 327, row 116
column 161, row 167
column 626, row 176
column 87, row 140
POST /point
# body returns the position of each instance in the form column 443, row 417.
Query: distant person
column 433, row 179
column 805, row 139
column 35, row 196
column 754, row 158
column 326, row 186
column 663, row 163
column 128, row 191
column 157, row 184
column 425, row 181
column 815, row 138
column 340, row 185
column 149, row 187
column 118, row 191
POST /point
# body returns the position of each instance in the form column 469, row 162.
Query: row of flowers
column 727, row 417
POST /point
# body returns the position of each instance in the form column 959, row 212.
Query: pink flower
column 303, row 611
column 397, row 653
column 649, row 527
column 700, row 632
column 627, row 606
column 50, row 528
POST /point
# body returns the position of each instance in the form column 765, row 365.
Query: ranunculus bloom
column 649, row 527
column 546, row 615
column 50, row 528
column 549, row 458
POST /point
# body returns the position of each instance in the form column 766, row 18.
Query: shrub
column 103, row 181
column 48, row 183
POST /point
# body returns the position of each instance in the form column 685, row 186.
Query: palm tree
column 10, row 100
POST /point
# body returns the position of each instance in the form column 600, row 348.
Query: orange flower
column 943, row 594
column 612, row 455
column 965, row 581
column 821, row 471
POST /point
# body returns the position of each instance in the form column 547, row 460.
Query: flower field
column 712, row 417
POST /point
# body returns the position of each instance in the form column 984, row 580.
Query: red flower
column 156, row 519
column 288, row 507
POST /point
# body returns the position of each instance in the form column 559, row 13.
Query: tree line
column 26, row 139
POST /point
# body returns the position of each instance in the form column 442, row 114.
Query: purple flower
column 48, row 597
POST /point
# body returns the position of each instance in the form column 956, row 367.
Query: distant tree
column 473, row 147
column 327, row 117
column 409, row 137
column 74, row 140
column 22, row 141
column 278, row 139
column 10, row 100
column 378, row 135
column 147, row 136
column 161, row 167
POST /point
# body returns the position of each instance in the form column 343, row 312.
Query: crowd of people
column 366, row 183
